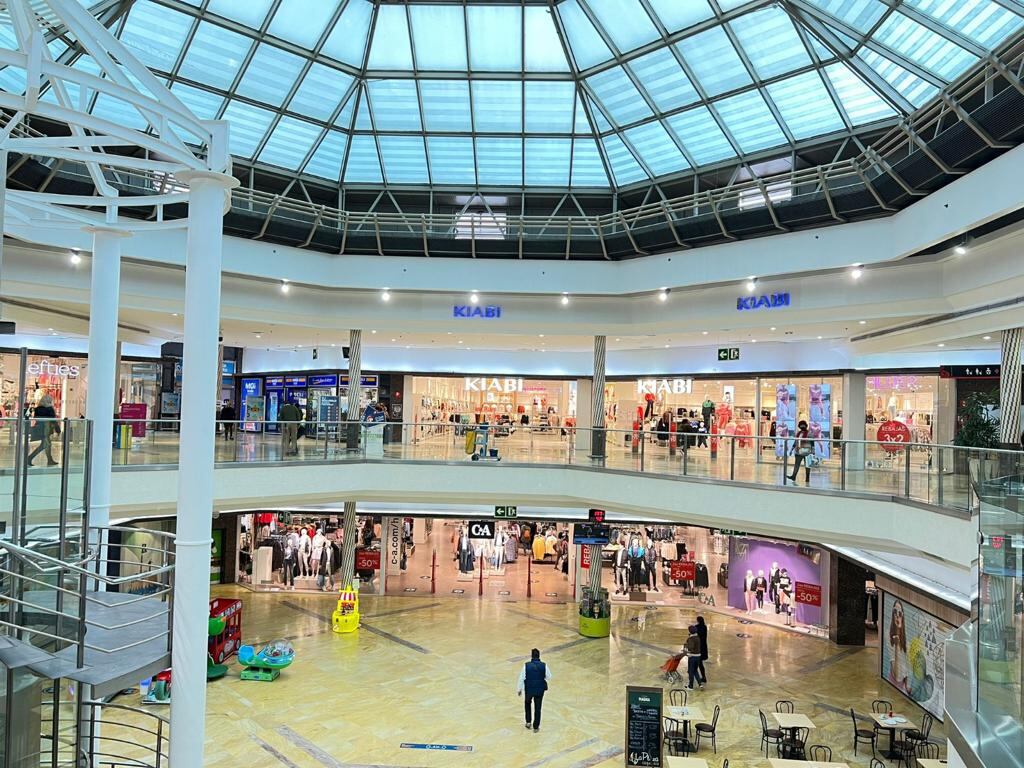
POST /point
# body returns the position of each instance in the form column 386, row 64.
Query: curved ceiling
column 577, row 94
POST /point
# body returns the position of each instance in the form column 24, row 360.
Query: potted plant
column 979, row 429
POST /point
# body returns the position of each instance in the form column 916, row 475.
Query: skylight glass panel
column 347, row 41
column 498, row 106
column 541, row 43
column 582, row 122
column 862, row 15
column 547, row 162
column 620, row 98
column 656, row 148
column 248, row 126
column 405, row 160
column 701, row 135
column 983, row 21
column 394, row 104
column 13, row 80
column 302, row 21
column 118, row 111
column 911, row 87
column 320, row 92
column 451, row 160
column 680, row 14
column 203, row 104
column 770, row 41
column 924, row 47
column 252, row 13
column 495, row 38
column 861, row 103
column 390, row 47
column 749, row 120
column 625, row 22
column 445, row 105
column 363, row 118
column 549, row 106
column 270, row 75
column 8, row 39
column 155, row 34
column 439, row 37
column 806, row 106
column 625, row 168
column 326, row 161
column 363, row 165
column 214, row 56
column 664, row 80
column 344, row 119
column 587, row 46
column 714, row 61
column 289, row 143
column 587, row 168
column 499, row 161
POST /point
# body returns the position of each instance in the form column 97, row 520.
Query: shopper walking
column 692, row 649
column 290, row 416
column 802, row 449
column 702, row 633
column 229, row 417
column 43, row 430
column 533, row 679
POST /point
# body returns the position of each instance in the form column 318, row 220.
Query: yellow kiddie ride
column 346, row 616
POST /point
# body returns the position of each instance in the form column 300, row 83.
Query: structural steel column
column 1009, row 389
column 103, row 355
column 355, row 375
column 597, row 445
column 195, row 464
column 348, row 543
column 595, row 569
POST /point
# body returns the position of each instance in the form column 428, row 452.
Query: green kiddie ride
column 215, row 671
column 266, row 665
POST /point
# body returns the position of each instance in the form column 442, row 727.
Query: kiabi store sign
column 771, row 301
column 486, row 384
column 664, row 386
column 490, row 312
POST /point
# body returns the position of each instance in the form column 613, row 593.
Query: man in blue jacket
column 534, row 680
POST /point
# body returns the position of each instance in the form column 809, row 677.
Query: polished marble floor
column 443, row 671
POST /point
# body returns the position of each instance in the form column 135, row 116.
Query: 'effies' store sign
column 53, row 369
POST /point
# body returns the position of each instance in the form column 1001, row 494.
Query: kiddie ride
column 345, row 617
column 266, row 665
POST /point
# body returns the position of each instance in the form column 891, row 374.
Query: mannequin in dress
column 760, row 587
column 748, row 591
column 786, row 596
column 305, row 548
column 318, row 549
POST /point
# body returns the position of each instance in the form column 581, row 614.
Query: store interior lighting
column 986, row 338
column 663, row 294
column 76, row 257
column 856, row 272
column 751, row 284
column 285, row 287
column 565, row 299
column 960, row 250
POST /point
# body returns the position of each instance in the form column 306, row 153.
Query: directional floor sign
column 506, row 512
column 728, row 353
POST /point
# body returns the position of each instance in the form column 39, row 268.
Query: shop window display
column 905, row 398
column 281, row 550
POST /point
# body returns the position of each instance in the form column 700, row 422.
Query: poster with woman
column 819, row 425
column 913, row 653
column 785, row 416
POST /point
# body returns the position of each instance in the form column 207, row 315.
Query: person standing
column 803, row 447
column 43, row 430
column 702, row 633
column 290, row 415
column 229, row 417
column 692, row 649
column 533, row 679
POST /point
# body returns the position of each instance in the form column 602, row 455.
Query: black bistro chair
column 708, row 729
column 863, row 735
column 928, row 749
column 819, row 753
column 794, row 745
column 677, row 697
column 920, row 735
column 785, row 706
column 769, row 736
column 674, row 737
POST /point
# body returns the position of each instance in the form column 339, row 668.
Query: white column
column 584, row 414
column 355, row 383
column 103, row 356
column 1009, row 388
column 597, row 449
column 854, row 412
column 195, row 472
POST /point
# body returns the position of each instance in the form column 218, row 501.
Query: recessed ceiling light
column 394, row 339
column 372, row 331
column 49, row 329
column 703, row 333
column 174, row 314
column 666, row 346
column 334, row 345
column 960, row 250
column 820, row 338
column 663, row 294
column 385, row 295
column 987, row 338
column 541, row 335
column 751, row 284
column 460, row 341
column 259, row 335
column 856, row 272
column 940, row 344
column 753, row 341
column 618, row 339
column 862, row 322
column 474, row 298
column 285, row 287
column 565, row 299
column 772, row 328
column 75, row 258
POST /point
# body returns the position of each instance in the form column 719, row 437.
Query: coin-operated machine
column 346, row 615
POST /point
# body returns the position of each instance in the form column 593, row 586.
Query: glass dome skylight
column 599, row 94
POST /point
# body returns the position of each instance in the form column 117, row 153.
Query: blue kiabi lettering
column 780, row 300
column 762, row 302
column 744, row 303
column 460, row 311
column 476, row 312
column 492, row 311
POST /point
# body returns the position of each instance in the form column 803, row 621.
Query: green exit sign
column 506, row 512
column 728, row 353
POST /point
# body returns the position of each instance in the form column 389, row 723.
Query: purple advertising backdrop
column 755, row 554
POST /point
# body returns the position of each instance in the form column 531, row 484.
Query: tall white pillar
column 854, row 413
column 1009, row 388
column 103, row 357
column 355, row 382
column 195, row 465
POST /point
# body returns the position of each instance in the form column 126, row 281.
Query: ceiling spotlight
column 49, row 329
column 541, row 335
column 987, row 338
column 940, row 344
column 460, row 341
column 820, row 338
column 862, row 322
column 772, row 328
column 618, row 339
column 960, row 250
column 751, row 284
column 394, row 339
column 663, row 294
column 372, row 331
column 565, row 299
column 75, row 258
column 385, row 295
column 753, row 341
column 259, row 335
column 285, row 287
column 856, row 272
column 703, row 333
column 666, row 346
column 474, row 298
column 174, row 314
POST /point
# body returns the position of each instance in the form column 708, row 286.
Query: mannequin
column 464, row 550
column 760, row 587
column 651, row 559
column 748, row 591
column 773, row 585
column 305, row 548
column 318, row 549
column 621, row 569
column 636, row 565
column 707, row 409
column 785, row 596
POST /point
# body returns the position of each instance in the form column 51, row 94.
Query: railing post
column 732, row 458
column 939, row 469
column 842, row 465
column 433, row 572
column 643, row 442
column 686, row 454
column 906, row 471
column 529, row 572
column 62, row 517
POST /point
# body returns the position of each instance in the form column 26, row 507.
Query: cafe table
column 931, row 762
column 790, row 721
column 685, row 715
column 776, row 762
column 672, row 761
column 891, row 724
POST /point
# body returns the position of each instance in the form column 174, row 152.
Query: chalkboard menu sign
column 643, row 726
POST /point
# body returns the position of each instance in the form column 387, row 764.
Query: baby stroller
column 670, row 667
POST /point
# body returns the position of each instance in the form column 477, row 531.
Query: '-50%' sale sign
column 808, row 594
